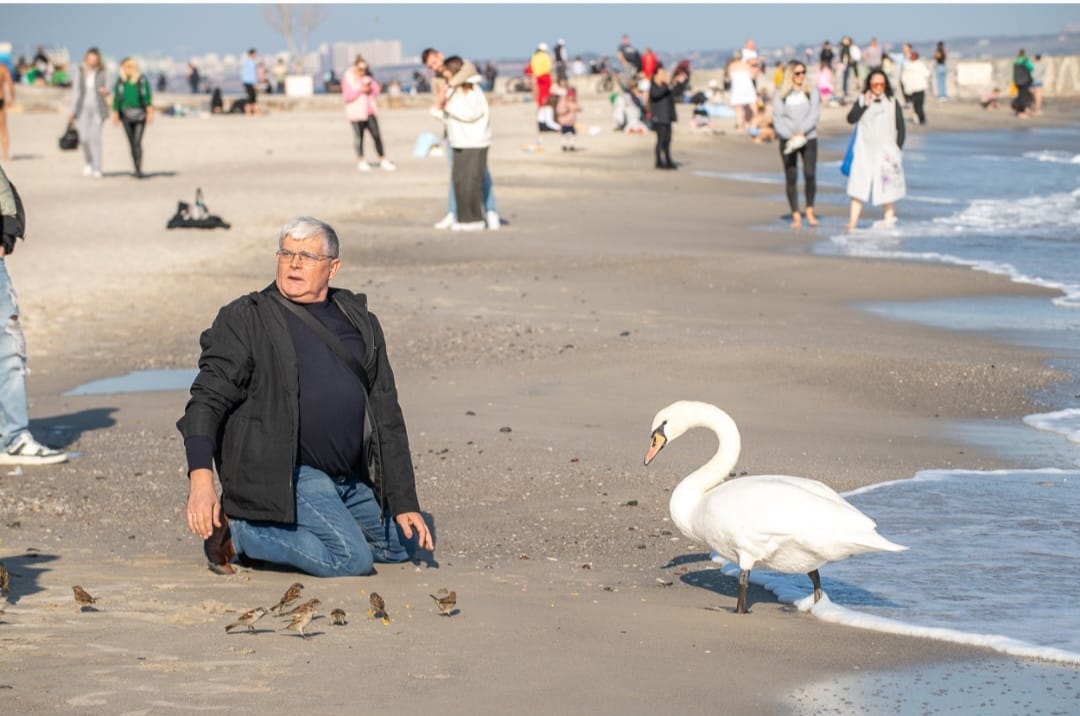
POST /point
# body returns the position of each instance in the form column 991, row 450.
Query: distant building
column 338, row 56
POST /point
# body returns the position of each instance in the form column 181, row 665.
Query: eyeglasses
column 306, row 257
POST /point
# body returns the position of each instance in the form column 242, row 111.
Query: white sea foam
column 1054, row 156
column 1063, row 422
column 1020, row 521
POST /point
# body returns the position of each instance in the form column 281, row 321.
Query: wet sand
column 612, row 291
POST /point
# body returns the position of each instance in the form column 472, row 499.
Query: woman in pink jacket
column 360, row 90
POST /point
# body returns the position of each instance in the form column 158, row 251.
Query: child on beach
column 824, row 82
column 566, row 111
column 991, row 100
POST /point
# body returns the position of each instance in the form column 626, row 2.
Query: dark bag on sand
column 70, row 138
column 197, row 217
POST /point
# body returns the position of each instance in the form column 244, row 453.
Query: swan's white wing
column 787, row 523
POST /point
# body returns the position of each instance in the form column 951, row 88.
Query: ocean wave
column 932, row 564
column 1063, row 422
column 1054, row 156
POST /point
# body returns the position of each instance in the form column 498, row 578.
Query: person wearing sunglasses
column 877, row 170
column 796, row 110
column 296, row 405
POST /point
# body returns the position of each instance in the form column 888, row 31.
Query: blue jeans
column 340, row 530
column 940, row 76
column 488, row 190
column 14, row 414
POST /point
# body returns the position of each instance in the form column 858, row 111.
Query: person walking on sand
column 296, row 404
column 743, row 94
column 360, row 90
column 796, row 110
column 131, row 105
column 1023, row 76
column 916, row 82
column 90, row 107
column 249, row 76
column 468, row 131
column 1038, row 75
column 17, row 445
column 540, row 67
column 7, row 98
column 433, row 60
column 941, row 72
column 877, row 170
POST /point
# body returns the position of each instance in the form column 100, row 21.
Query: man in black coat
column 296, row 404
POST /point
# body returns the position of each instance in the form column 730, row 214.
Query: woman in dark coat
column 662, row 110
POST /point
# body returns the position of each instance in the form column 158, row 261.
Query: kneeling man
column 296, row 404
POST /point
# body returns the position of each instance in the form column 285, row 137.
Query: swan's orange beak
column 658, row 442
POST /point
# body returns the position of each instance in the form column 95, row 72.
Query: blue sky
column 512, row 30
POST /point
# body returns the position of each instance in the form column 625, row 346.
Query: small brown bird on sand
column 445, row 601
column 296, row 610
column 248, row 619
column 337, row 617
column 378, row 608
column 5, row 581
column 83, row 598
column 303, row 617
column 290, row 596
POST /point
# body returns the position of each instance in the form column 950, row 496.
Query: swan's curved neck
column 688, row 493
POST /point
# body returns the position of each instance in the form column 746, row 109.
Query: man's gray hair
column 307, row 227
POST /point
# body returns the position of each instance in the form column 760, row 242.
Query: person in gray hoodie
column 90, row 108
column 796, row 109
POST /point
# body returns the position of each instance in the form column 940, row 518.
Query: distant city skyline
column 513, row 30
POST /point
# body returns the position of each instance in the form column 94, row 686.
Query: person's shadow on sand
column 24, row 571
column 61, row 431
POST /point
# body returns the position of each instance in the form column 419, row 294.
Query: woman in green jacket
column 131, row 105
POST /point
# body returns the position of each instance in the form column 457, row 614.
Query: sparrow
column 378, row 608
column 248, row 619
column 445, row 601
column 83, row 598
column 303, row 617
column 5, row 581
column 309, row 604
column 290, row 596
column 337, row 617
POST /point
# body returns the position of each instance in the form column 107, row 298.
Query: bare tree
column 288, row 20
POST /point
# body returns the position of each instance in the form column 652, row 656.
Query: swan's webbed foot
column 816, row 579
column 744, row 582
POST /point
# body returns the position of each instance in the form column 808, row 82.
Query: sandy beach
column 611, row 291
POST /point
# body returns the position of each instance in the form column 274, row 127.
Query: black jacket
column 246, row 400
column 662, row 102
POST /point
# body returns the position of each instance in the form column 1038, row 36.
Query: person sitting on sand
column 991, row 100
column 296, row 404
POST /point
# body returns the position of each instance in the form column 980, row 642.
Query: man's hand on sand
column 408, row 521
column 203, row 508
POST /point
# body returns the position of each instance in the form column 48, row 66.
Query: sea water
column 993, row 555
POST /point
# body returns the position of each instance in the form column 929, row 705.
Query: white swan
column 789, row 524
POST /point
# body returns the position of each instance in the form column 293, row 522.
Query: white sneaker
column 363, row 166
column 446, row 222
column 493, row 220
column 387, row 165
column 27, row 451
column 97, row 174
column 87, row 170
column 468, row 226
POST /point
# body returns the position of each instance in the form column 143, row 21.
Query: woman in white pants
column 90, row 108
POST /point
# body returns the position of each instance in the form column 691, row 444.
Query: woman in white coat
column 468, row 131
column 877, row 170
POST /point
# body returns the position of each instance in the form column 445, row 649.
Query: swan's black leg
column 744, row 582
column 816, row 579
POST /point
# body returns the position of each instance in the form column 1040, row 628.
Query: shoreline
column 525, row 328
